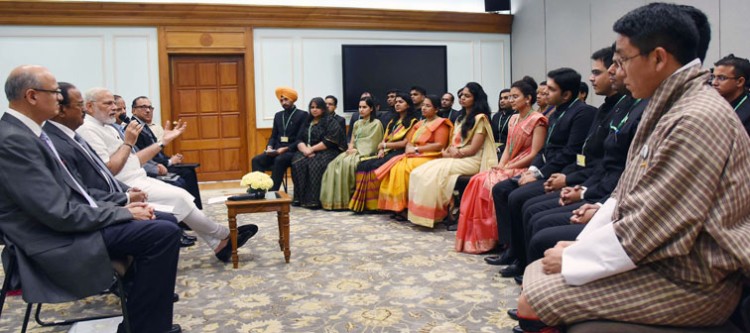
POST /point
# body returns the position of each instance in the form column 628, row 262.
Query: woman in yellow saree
column 367, row 186
column 472, row 150
column 429, row 137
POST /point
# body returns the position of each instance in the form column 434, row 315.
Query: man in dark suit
column 81, row 160
column 730, row 79
column 286, row 124
column 64, row 238
column 446, row 108
column 143, row 113
column 331, row 103
column 500, row 121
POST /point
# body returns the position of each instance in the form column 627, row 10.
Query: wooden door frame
column 204, row 46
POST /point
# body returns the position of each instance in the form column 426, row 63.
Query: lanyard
column 614, row 109
column 549, row 136
column 505, row 124
column 740, row 103
column 286, row 121
column 624, row 119
column 309, row 130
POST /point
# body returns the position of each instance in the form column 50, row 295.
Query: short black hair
column 418, row 89
column 65, row 88
column 392, row 91
column 704, row 29
column 604, row 55
column 663, row 25
column 568, row 80
column 741, row 66
column 335, row 100
column 136, row 100
column 584, row 89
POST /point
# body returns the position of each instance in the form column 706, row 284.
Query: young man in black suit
column 730, row 79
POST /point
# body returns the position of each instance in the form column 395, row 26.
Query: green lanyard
column 286, row 121
column 740, row 103
column 549, row 136
column 610, row 125
column 309, row 131
column 624, row 119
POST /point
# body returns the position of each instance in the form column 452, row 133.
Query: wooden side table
column 275, row 202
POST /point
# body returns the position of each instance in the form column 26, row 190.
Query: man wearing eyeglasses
column 143, row 113
column 730, row 80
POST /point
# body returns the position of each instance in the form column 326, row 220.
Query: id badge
column 284, row 139
column 581, row 160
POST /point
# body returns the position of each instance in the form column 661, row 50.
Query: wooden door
column 208, row 93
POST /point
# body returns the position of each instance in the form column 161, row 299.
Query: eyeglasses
column 622, row 60
column 54, row 92
column 722, row 78
column 146, row 107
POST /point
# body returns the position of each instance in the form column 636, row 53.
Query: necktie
column 114, row 186
column 51, row 147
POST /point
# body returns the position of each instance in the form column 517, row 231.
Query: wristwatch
column 160, row 143
column 416, row 149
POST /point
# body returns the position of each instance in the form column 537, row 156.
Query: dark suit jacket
column 294, row 125
column 499, row 123
column 451, row 114
column 60, row 251
column 147, row 138
column 743, row 111
column 81, row 167
column 567, row 131
column 607, row 173
column 593, row 148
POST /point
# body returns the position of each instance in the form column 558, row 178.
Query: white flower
column 257, row 180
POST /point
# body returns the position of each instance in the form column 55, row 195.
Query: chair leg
column 26, row 318
column 285, row 182
column 125, row 316
column 6, row 282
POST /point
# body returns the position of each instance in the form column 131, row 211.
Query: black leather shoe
column 184, row 226
column 175, row 329
column 175, row 298
column 188, row 237
column 513, row 314
column 244, row 233
column 517, row 329
column 512, row 270
column 518, row 279
column 503, row 259
column 184, row 242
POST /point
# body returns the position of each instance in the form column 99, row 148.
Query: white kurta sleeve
column 596, row 256
column 602, row 217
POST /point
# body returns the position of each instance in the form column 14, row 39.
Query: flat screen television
column 378, row 68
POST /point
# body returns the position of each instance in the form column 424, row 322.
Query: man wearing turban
column 286, row 124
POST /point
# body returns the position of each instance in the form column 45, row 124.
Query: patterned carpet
column 348, row 273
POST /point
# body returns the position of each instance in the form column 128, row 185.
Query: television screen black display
column 378, row 68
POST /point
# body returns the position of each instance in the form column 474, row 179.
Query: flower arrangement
column 257, row 180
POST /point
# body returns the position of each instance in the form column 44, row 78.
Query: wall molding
column 205, row 15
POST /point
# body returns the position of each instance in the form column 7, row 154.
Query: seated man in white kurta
column 126, row 165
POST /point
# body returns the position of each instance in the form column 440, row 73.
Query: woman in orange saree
column 427, row 140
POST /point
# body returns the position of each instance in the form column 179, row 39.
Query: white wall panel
column 124, row 60
column 310, row 61
column 735, row 29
